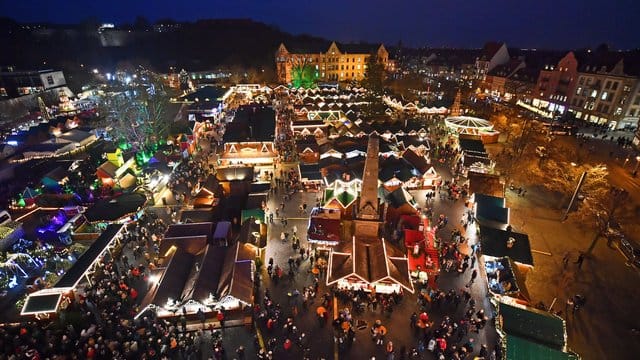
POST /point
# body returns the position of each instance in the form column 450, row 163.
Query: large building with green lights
column 344, row 62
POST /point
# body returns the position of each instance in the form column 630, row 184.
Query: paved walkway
column 399, row 330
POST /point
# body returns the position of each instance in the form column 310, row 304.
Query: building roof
column 489, row 184
column 57, row 174
column 532, row 324
column 115, row 208
column 370, row 260
column 71, row 278
column 236, row 279
column 520, row 348
column 419, row 162
column 204, row 278
column 491, row 211
column 107, row 168
column 358, row 48
column 251, row 123
column 188, row 230
column 232, row 173
column 323, row 229
column 213, row 93
column 508, row 69
column 494, row 243
column 76, row 136
column 399, row 197
column 490, row 49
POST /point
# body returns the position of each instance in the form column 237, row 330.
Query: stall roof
column 255, row 200
column 494, row 243
column 491, row 211
column 204, row 280
column 57, row 174
column 196, row 216
column 471, row 145
column 188, row 230
column 116, row 208
column 41, row 303
column 233, row 173
column 310, row 172
column 222, row 230
column 371, row 260
column 236, row 278
column 323, row 229
column 176, row 272
column 399, row 197
column 419, row 162
column 489, row 184
column 73, row 276
column 520, row 348
column 532, row 324
column 258, row 214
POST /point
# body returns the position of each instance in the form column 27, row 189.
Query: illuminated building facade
column 338, row 63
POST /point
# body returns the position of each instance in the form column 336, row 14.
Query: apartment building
column 604, row 94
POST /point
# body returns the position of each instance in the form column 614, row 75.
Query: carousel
column 468, row 125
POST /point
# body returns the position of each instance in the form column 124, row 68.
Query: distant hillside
column 194, row 46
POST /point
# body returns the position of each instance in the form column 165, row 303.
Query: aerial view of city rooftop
column 319, row 180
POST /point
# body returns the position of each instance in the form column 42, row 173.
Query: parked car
column 631, row 251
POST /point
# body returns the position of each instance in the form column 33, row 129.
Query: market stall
column 504, row 278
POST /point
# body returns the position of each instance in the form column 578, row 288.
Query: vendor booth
column 529, row 333
column 490, row 211
column 500, row 243
column 370, row 265
column 324, row 227
column 505, row 278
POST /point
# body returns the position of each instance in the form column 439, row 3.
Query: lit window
column 578, row 91
column 604, row 95
column 594, row 93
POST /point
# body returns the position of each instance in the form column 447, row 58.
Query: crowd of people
column 97, row 321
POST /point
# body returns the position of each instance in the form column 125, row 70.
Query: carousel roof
column 468, row 122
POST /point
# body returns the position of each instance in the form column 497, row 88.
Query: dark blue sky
column 464, row 23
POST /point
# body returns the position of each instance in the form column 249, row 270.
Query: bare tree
column 598, row 200
column 136, row 114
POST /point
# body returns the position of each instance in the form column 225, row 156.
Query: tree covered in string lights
column 303, row 74
column 134, row 114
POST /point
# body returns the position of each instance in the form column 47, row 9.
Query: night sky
column 559, row 24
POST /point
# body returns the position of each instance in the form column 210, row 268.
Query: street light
column 635, row 171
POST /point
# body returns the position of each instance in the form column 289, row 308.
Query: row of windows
column 342, row 67
column 327, row 59
column 342, row 75
column 609, row 85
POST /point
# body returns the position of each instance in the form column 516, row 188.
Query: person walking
column 474, row 274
